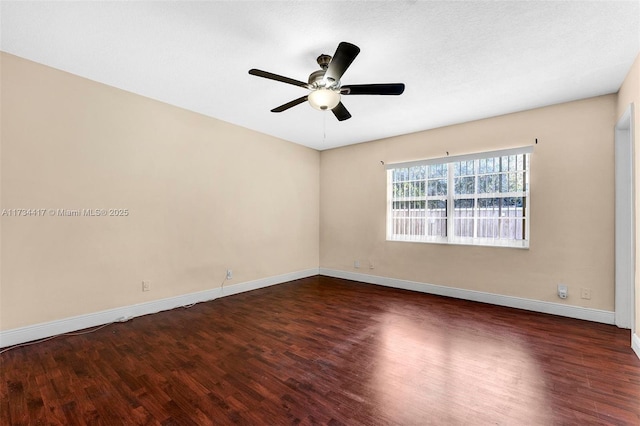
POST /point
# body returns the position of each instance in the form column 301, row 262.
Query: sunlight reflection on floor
column 470, row 377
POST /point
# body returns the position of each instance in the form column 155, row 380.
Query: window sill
column 479, row 242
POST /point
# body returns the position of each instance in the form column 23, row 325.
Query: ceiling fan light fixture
column 324, row 99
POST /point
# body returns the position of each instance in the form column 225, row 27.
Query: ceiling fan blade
column 341, row 112
column 276, row 77
column 373, row 89
column 345, row 54
column 291, row 104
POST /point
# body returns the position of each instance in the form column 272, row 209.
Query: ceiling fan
column 325, row 86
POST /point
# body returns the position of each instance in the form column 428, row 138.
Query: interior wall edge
column 571, row 311
column 635, row 344
column 66, row 325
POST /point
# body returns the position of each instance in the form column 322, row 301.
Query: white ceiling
column 460, row 61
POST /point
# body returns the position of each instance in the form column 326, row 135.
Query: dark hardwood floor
column 328, row 351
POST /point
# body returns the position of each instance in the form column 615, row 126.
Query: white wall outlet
column 229, row 274
column 563, row 291
column 585, row 293
column 356, row 264
column 146, row 285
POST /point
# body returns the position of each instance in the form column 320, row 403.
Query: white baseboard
column 595, row 315
column 66, row 325
column 635, row 344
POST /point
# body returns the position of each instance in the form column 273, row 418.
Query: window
column 480, row 199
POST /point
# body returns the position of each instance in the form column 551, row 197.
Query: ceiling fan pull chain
column 324, row 129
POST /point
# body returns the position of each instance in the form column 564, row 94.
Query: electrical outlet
column 229, row 274
column 146, row 286
column 356, row 264
column 563, row 291
column 585, row 293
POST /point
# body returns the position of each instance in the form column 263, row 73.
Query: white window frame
column 451, row 197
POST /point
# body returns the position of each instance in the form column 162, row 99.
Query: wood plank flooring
column 328, row 351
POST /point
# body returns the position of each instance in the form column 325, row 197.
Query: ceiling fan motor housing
column 324, row 93
column 315, row 78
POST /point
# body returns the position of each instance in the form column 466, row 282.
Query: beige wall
column 630, row 93
column 572, row 215
column 203, row 196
